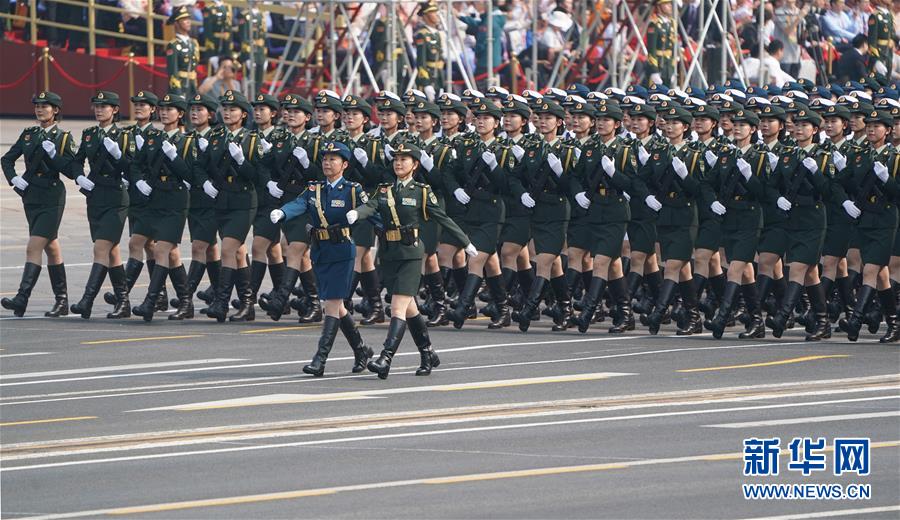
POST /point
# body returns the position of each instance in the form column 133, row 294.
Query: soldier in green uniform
column 876, row 190
column 182, row 54
column 234, row 159
column 606, row 171
column 482, row 174
column 429, row 51
column 47, row 151
column 165, row 175
column 677, row 171
column 733, row 189
column 329, row 110
column 218, row 30
column 800, row 185
column 252, row 35
column 109, row 151
column 881, row 38
column 403, row 206
column 661, row 42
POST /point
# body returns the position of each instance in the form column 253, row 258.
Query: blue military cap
column 715, row 89
column 792, row 86
column 735, row 84
column 887, row 92
column 806, row 85
column 615, row 93
column 850, row 86
column 753, row 92
column 698, row 93
column 637, row 91
column 338, row 148
column 835, row 89
column 822, row 91
column 774, row 90
column 658, row 88
column 578, row 89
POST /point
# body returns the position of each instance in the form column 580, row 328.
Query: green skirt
column 401, row 277
column 295, row 229
column 202, row 224
column 740, row 244
column 234, row 223
column 363, row 234
column 606, row 239
column 676, row 242
column 837, row 239
column 709, row 234
column 773, row 239
column 642, row 236
column 516, row 230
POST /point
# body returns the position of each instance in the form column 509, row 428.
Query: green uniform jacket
column 164, row 176
column 645, row 172
column 805, row 190
column 661, row 39
column 440, row 178
column 182, row 58
column 741, row 197
column 218, row 30
column 873, row 197
column 842, row 183
column 534, row 176
column 429, row 57
column 199, row 198
column 236, row 183
column 484, row 186
column 41, row 172
column 881, row 39
column 105, row 172
column 413, row 204
column 607, row 194
column 678, row 196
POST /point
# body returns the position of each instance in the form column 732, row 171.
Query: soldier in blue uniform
column 332, row 251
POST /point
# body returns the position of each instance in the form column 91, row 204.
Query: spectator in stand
column 859, row 14
column 71, row 15
column 690, row 19
column 787, row 22
column 479, row 28
column 771, row 63
column 837, row 24
column 223, row 79
column 852, row 64
column 518, row 25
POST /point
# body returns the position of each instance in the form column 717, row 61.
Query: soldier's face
column 184, row 25
column 513, row 123
column 895, row 133
column 606, row 127
column 803, row 132
column 104, row 113
column 353, row 120
column 450, row 120
column 262, row 114
column 665, row 9
column 200, row 116
column 44, row 112
column 675, row 129
column 703, row 125
column 232, row 115
column 769, row 127
column 168, row 115
column 742, row 131
column 424, row 123
column 876, row 132
column 295, row 118
column 547, row 123
column 485, row 124
column 726, row 124
column 857, row 122
column 582, row 123
column 410, row 118
column 640, row 125
column 326, row 117
column 389, row 120
column 333, row 165
column 404, row 166
column 834, row 127
column 432, row 18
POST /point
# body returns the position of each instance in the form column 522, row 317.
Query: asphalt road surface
column 204, row 420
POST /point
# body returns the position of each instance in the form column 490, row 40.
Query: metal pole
column 361, row 50
column 130, row 84
column 151, row 54
column 46, row 68
column 32, row 13
column 92, row 26
column 534, row 44
column 676, row 15
column 723, row 74
column 490, row 43
column 391, row 83
column 332, row 45
column 450, row 25
column 614, row 58
column 762, row 46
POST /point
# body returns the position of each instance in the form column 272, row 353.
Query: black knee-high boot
column 418, row 329
column 778, row 322
column 181, row 283
column 280, row 299
column 624, row 322
column 162, row 303
column 756, row 329
column 661, row 307
column 361, row 352
column 326, row 341
column 497, row 287
column 218, row 309
column 19, row 303
column 382, row 365
column 692, row 324
column 718, row 323
column 524, row 316
column 91, row 289
column 372, row 290
column 764, row 286
column 133, row 268
column 821, row 327
column 60, row 291
column 466, row 301
column 591, row 302
column 314, row 308
column 854, row 322
column 119, row 283
column 213, row 270
column 257, row 274
column 157, row 282
column 888, row 299
column 563, row 302
column 244, row 287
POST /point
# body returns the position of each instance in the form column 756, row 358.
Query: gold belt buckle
column 873, row 199
column 672, row 194
column 230, row 178
column 164, row 178
column 392, row 235
column 322, row 234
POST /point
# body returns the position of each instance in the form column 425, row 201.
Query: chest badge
column 408, row 201
column 338, row 203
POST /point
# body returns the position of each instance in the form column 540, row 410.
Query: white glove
column 429, row 91
column 881, row 171
column 201, row 142
column 518, row 152
column 710, row 158
column 143, row 187
column 210, row 190
column 851, row 209
column 169, row 151
column 773, row 160
column 361, row 156
column 680, row 167
column 112, row 147
column 388, row 152
column 840, row 162
column 19, row 182
column 880, row 68
column 744, row 168
column 266, row 145
column 652, row 203
column 276, row 215
column 608, row 166
column 627, row 196
column 236, row 153
column 50, row 148
column 139, row 142
column 302, row 156
column 527, row 201
column 656, row 78
column 717, row 208
column 461, row 196
column 643, row 155
column 555, row 164
column 426, row 161
column 783, row 204
column 471, row 251
column 810, row 164
column 274, row 190
column 489, row 159
column 125, row 183
column 352, row 216
column 186, row 184
column 84, row 183
column 582, row 200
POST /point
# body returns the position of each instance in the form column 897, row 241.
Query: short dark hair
column 774, row 46
column 859, row 40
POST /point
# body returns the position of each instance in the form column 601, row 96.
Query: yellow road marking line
column 458, row 479
column 132, row 340
column 43, row 421
column 279, row 329
column 765, row 364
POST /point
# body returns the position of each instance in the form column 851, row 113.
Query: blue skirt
column 333, row 279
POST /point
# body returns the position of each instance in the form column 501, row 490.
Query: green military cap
column 583, row 108
column 871, row 82
column 412, row 97
column 880, row 116
column 517, row 105
column 297, row 102
column 204, row 100
column 47, row 97
column 745, row 116
column 707, row 111
column 453, row 103
column 472, row 97
column 795, row 107
column 533, row 97
column 678, row 113
column 805, row 115
column 664, row 106
column 428, row 7
column 174, row 100
column 408, row 149
column 236, row 99
column 773, row 112
column 427, row 107
column 730, row 107
column 548, row 106
column 145, row 96
column 105, row 97
column 352, row 102
column 266, row 99
column 610, row 110
column 487, row 108
column 895, row 113
column 837, row 111
column 642, row 111
column 178, row 13
column 330, row 100
column 389, row 104
column 861, row 108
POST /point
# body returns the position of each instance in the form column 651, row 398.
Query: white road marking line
column 368, row 438
column 362, row 394
column 117, row 368
column 806, row 420
column 25, row 354
column 830, row 514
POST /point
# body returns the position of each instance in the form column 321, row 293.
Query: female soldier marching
column 403, row 206
column 332, row 251
column 48, row 152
